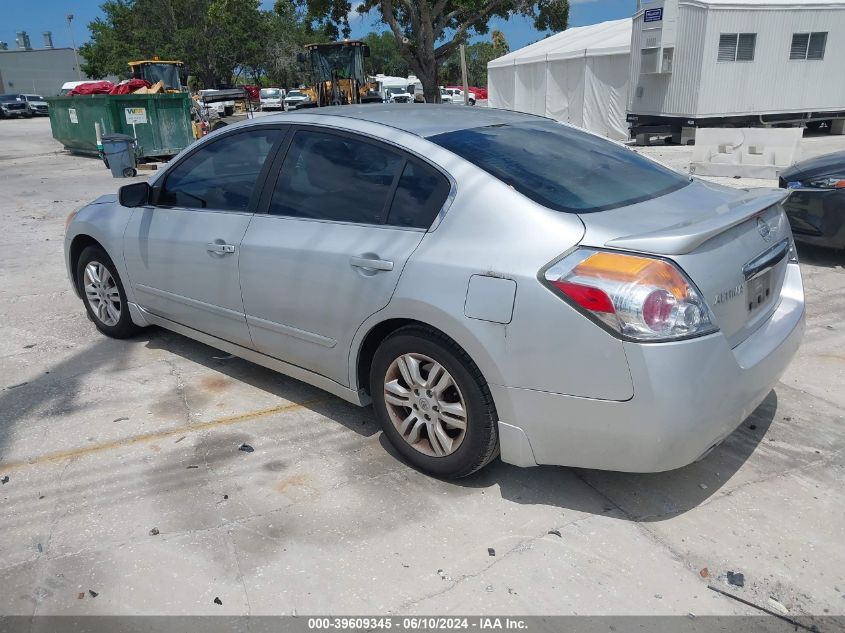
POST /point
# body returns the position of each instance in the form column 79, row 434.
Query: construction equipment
column 337, row 73
column 155, row 70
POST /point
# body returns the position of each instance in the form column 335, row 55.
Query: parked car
column 492, row 281
column 36, row 105
column 295, row 99
column 396, row 94
column 70, row 85
column 272, row 99
column 457, row 95
column 13, row 106
column 816, row 203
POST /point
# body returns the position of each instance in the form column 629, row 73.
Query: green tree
column 428, row 31
column 500, row 44
column 477, row 56
column 385, row 56
column 217, row 39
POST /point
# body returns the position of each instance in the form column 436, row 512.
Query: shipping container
column 741, row 62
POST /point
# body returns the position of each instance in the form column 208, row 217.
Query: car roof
column 422, row 119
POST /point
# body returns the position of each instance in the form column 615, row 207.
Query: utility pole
column 73, row 43
column 464, row 74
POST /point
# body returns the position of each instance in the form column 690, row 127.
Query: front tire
column 103, row 294
column 433, row 403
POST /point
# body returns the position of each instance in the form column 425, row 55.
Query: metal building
column 36, row 70
column 704, row 62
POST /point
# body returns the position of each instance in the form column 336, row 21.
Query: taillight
column 638, row 297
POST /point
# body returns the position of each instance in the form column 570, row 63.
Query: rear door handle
column 220, row 249
column 371, row 264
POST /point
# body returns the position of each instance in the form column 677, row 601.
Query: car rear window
column 561, row 167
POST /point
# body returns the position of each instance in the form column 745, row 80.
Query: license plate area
column 758, row 291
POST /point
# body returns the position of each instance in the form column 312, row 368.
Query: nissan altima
column 494, row 283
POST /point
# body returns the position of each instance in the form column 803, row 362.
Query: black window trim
column 260, row 183
column 269, row 183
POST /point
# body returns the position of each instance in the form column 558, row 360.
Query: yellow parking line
column 157, row 435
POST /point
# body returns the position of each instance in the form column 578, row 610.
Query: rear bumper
column 688, row 396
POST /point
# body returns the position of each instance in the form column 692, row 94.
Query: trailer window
column 808, row 46
column 561, row 167
column 736, row 47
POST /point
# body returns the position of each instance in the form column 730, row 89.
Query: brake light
column 639, row 297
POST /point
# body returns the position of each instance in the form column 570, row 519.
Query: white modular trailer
column 705, row 62
column 578, row 76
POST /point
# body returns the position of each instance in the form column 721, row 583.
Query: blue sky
column 35, row 16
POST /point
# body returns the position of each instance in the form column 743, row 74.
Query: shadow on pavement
column 820, row 256
column 633, row 496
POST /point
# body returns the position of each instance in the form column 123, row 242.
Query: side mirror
column 135, row 195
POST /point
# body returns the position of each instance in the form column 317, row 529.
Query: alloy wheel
column 102, row 293
column 425, row 405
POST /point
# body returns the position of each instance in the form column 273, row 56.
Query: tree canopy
column 217, row 39
column 429, row 31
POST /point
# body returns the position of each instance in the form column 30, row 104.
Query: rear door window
column 336, row 177
column 561, row 167
column 222, row 174
column 420, row 194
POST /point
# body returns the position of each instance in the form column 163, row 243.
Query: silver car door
column 325, row 257
column 182, row 252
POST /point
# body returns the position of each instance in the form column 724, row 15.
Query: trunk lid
column 732, row 243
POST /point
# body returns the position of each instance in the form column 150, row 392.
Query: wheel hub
column 425, row 405
column 101, row 293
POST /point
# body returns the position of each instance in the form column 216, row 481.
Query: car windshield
column 395, row 90
column 8, row 98
column 562, row 167
column 167, row 73
column 34, row 97
column 294, row 93
column 270, row 92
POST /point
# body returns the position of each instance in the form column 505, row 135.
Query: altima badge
column 730, row 293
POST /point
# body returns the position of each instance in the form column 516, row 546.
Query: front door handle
column 220, row 249
column 371, row 264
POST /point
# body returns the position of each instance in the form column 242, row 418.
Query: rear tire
column 130, row 172
column 103, row 294
column 457, row 395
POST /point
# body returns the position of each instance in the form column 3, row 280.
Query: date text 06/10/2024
column 421, row 623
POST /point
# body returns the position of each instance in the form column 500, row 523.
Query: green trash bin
column 161, row 123
column 119, row 155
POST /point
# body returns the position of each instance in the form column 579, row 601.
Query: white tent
column 579, row 76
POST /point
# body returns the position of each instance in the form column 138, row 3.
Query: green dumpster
column 161, row 123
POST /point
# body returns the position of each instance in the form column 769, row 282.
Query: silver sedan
column 493, row 282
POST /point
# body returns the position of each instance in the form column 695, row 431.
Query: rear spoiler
column 687, row 236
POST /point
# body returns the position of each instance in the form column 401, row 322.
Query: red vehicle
column 480, row 93
column 254, row 94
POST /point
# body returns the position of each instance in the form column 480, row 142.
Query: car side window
column 339, row 178
column 222, row 174
column 420, row 195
